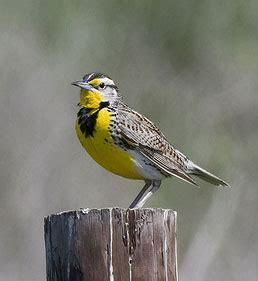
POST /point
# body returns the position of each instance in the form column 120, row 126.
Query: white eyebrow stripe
column 107, row 81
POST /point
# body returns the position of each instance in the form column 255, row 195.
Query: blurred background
column 190, row 66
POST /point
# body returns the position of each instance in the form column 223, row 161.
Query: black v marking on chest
column 87, row 120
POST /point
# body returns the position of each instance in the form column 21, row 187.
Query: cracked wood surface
column 111, row 244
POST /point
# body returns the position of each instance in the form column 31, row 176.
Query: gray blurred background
column 190, row 66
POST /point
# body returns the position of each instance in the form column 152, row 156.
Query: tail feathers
column 207, row 176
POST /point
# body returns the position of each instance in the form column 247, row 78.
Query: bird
column 127, row 143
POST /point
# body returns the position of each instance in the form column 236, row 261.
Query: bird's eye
column 102, row 85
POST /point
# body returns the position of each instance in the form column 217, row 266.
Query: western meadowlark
column 126, row 143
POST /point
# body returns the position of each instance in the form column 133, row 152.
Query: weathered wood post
column 111, row 244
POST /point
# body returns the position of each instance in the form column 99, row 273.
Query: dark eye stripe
column 112, row 87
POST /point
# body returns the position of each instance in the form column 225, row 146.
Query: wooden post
column 111, row 244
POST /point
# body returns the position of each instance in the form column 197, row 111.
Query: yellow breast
column 101, row 148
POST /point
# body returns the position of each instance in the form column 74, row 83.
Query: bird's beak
column 83, row 85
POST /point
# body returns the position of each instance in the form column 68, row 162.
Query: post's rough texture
column 111, row 244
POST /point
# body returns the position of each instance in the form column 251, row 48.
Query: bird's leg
column 149, row 188
column 155, row 184
column 137, row 200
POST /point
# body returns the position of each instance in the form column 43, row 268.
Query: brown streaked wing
column 144, row 136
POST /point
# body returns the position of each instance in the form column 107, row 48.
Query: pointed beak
column 83, row 85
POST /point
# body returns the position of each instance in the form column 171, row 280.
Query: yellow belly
column 101, row 148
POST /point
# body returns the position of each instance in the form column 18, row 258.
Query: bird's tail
column 207, row 176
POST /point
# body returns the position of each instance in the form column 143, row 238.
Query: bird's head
column 97, row 88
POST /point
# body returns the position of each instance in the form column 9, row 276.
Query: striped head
column 97, row 88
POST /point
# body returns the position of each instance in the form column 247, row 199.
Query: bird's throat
column 90, row 99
